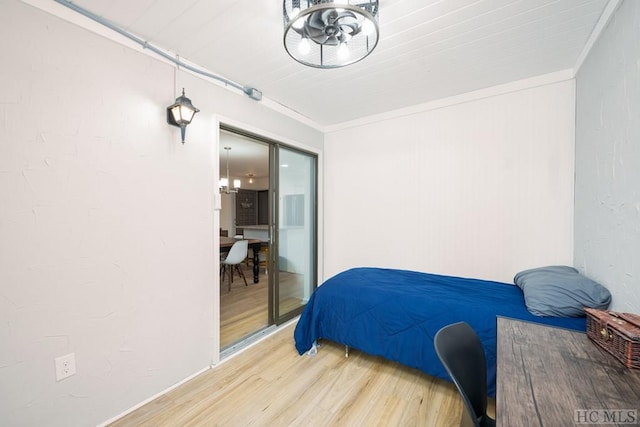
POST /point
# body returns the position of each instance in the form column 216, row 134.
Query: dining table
column 227, row 242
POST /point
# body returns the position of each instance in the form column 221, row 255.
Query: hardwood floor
column 269, row 384
column 243, row 311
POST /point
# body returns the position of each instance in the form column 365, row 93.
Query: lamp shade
column 182, row 114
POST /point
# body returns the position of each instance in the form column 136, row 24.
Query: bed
column 396, row 313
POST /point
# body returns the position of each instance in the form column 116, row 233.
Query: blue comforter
column 396, row 313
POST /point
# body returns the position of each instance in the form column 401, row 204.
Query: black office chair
column 462, row 355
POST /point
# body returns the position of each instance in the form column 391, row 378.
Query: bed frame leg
column 346, row 351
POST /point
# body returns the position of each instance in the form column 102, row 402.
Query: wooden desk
column 546, row 374
column 254, row 244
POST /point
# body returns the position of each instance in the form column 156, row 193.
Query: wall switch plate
column 65, row 366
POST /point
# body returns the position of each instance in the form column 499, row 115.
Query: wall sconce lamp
column 180, row 113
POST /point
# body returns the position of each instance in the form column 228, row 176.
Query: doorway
column 244, row 307
column 270, row 201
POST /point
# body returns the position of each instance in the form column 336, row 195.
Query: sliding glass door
column 244, row 308
column 295, row 229
column 270, row 200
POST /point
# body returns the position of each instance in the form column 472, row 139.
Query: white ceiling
column 428, row 49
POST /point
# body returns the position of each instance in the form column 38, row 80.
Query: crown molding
column 604, row 19
column 475, row 95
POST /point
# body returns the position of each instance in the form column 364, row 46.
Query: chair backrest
column 462, row 355
column 238, row 252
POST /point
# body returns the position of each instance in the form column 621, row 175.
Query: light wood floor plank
column 244, row 309
column 269, row 384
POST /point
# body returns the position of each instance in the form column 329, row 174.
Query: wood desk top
column 556, row 377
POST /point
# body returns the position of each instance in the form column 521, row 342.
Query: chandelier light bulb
column 304, row 47
column 298, row 23
column 343, row 51
column 368, row 27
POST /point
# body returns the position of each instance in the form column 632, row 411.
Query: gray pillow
column 560, row 291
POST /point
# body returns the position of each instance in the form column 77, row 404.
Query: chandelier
column 329, row 34
column 224, row 182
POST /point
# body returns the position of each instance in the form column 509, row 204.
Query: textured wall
column 607, row 206
column 107, row 229
column 480, row 189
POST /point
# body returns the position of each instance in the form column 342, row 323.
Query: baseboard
column 255, row 339
column 155, row 396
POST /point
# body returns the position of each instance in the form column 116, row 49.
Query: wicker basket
column 617, row 333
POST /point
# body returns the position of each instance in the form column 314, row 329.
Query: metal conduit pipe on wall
column 251, row 92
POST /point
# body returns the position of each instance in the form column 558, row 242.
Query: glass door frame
column 274, row 317
column 274, row 189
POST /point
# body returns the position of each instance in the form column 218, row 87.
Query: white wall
column 107, row 228
column 607, row 218
column 228, row 213
column 479, row 189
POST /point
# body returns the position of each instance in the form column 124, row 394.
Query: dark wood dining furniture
column 549, row 376
column 254, row 244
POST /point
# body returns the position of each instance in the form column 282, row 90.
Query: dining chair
column 460, row 351
column 234, row 258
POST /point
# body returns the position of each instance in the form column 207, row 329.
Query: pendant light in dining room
column 224, row 181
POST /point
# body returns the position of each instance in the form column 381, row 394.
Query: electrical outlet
column 65, row 366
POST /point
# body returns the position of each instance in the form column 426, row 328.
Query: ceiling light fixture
column 224, row 182
column 181, row 113
column 330, row 34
